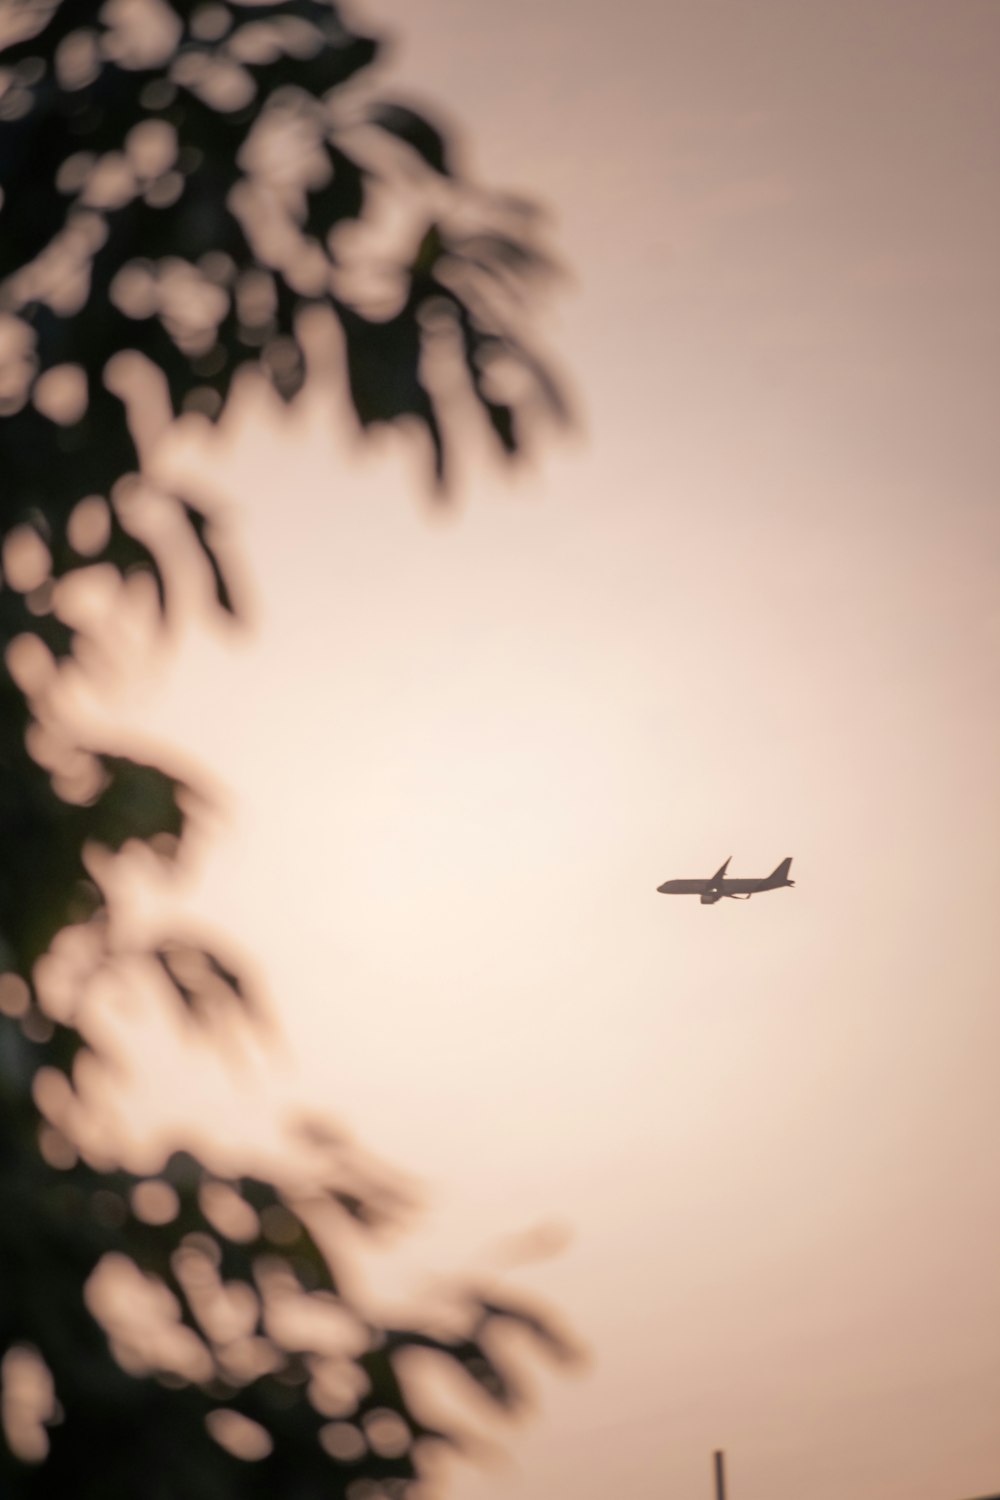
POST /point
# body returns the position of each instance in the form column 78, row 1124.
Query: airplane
column 720, row 885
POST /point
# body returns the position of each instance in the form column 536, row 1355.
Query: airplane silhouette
column 719, row 885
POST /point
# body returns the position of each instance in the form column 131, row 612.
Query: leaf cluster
column 191, row 182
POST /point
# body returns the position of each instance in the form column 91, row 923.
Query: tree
column 181, row 186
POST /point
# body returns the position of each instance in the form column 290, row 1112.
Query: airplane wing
column 719, row 874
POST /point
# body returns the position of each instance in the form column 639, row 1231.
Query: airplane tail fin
column 779, row 876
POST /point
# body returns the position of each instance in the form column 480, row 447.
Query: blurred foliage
column 189, row 183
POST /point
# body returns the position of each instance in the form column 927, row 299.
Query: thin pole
column 720, row 1475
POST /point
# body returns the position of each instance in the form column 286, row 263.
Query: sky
column 748, row 1152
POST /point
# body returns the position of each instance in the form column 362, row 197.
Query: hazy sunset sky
column 750, row 607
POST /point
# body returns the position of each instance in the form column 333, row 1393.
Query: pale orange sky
column 752, row 609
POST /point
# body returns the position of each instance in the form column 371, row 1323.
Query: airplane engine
column 709, row 897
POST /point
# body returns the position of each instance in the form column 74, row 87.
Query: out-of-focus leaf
column 502, row 421
column 228, row 976
column 188, row 995
column 202, row 528
column 138, row 802
column 543, row 1329
column 416, row 131
column 339, row 201
column 503, row 251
